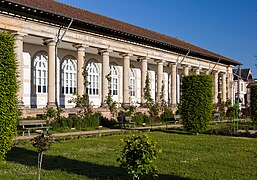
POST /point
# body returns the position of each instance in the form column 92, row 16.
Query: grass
column 184, row 157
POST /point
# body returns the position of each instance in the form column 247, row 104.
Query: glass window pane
column 44, row 89
column 39, row 89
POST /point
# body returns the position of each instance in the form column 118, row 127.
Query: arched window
column 114, row 80
column 69, row 76
column 132, row 83
column 92, row 79
column 40, row 72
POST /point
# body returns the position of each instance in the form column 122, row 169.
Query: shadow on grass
column 29, row 158
column 173, row 131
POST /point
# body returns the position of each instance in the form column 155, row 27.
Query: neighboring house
column 242, row 78
column 254, row 82
column 99, row 45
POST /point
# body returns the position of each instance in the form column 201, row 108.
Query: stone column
column 18, row 48
column 159, row 79
column 51, row 73
column 224, row 88
column 186, row 70
column 206, row 72
column 143, row 77
column 229, row 84
column 105, row 72
column 173, row 85
column 215, row 86
column 197, row 71
column 126, row 78
column 80, row 68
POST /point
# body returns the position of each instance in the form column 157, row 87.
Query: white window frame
column 92, row 79
column 40, row 72
column 114, row 80
column 132, row 83
column 69, row 76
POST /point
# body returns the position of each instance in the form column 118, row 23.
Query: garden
column 183, row 156
column 200, row 148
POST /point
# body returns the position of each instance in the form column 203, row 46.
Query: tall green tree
column 147, row 92
column 8, row 92
column 196, row 102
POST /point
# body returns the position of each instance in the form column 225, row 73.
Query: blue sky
column 227, row 27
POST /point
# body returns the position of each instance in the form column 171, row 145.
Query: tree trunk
column 40, row 158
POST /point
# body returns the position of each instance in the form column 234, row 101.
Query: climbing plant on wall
column 8, row 92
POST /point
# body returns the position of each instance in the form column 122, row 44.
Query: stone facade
column 49, row 73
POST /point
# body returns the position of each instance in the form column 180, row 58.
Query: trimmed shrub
column 196, row 102
column 8, row 92
column 91, row 121
column 109, row 123
column 253, row 103
column 138, row 118
column 138, row 155
column 167, row 113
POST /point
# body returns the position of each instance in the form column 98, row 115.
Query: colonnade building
column 55, row 42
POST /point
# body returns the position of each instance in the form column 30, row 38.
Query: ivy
column 112, row 105
column 8, row 92
column 196, row 102
column 253, row 103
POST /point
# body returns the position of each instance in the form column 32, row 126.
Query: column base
column 143, row 105
column 104, row 105
column 51, row 105
column 174, row 108
column 125, row 105
column 21, row 105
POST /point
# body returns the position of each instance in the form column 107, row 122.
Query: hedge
column 253, row 103
column 8, row 92
column 196, row 102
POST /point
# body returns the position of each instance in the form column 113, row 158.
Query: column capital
column 126, row 55
column 185, row 65
column 143, row 58
column 19, row 35
column 49, row 41
column 80, row 47
column 214, row 71
column 105, row 50
column 230, row 66
column 170, row 64
column 206, row 71
column 159, row 61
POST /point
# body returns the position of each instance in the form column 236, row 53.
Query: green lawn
column 183, row 157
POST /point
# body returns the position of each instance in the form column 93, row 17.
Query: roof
column 246, row 74
column 53, row 11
